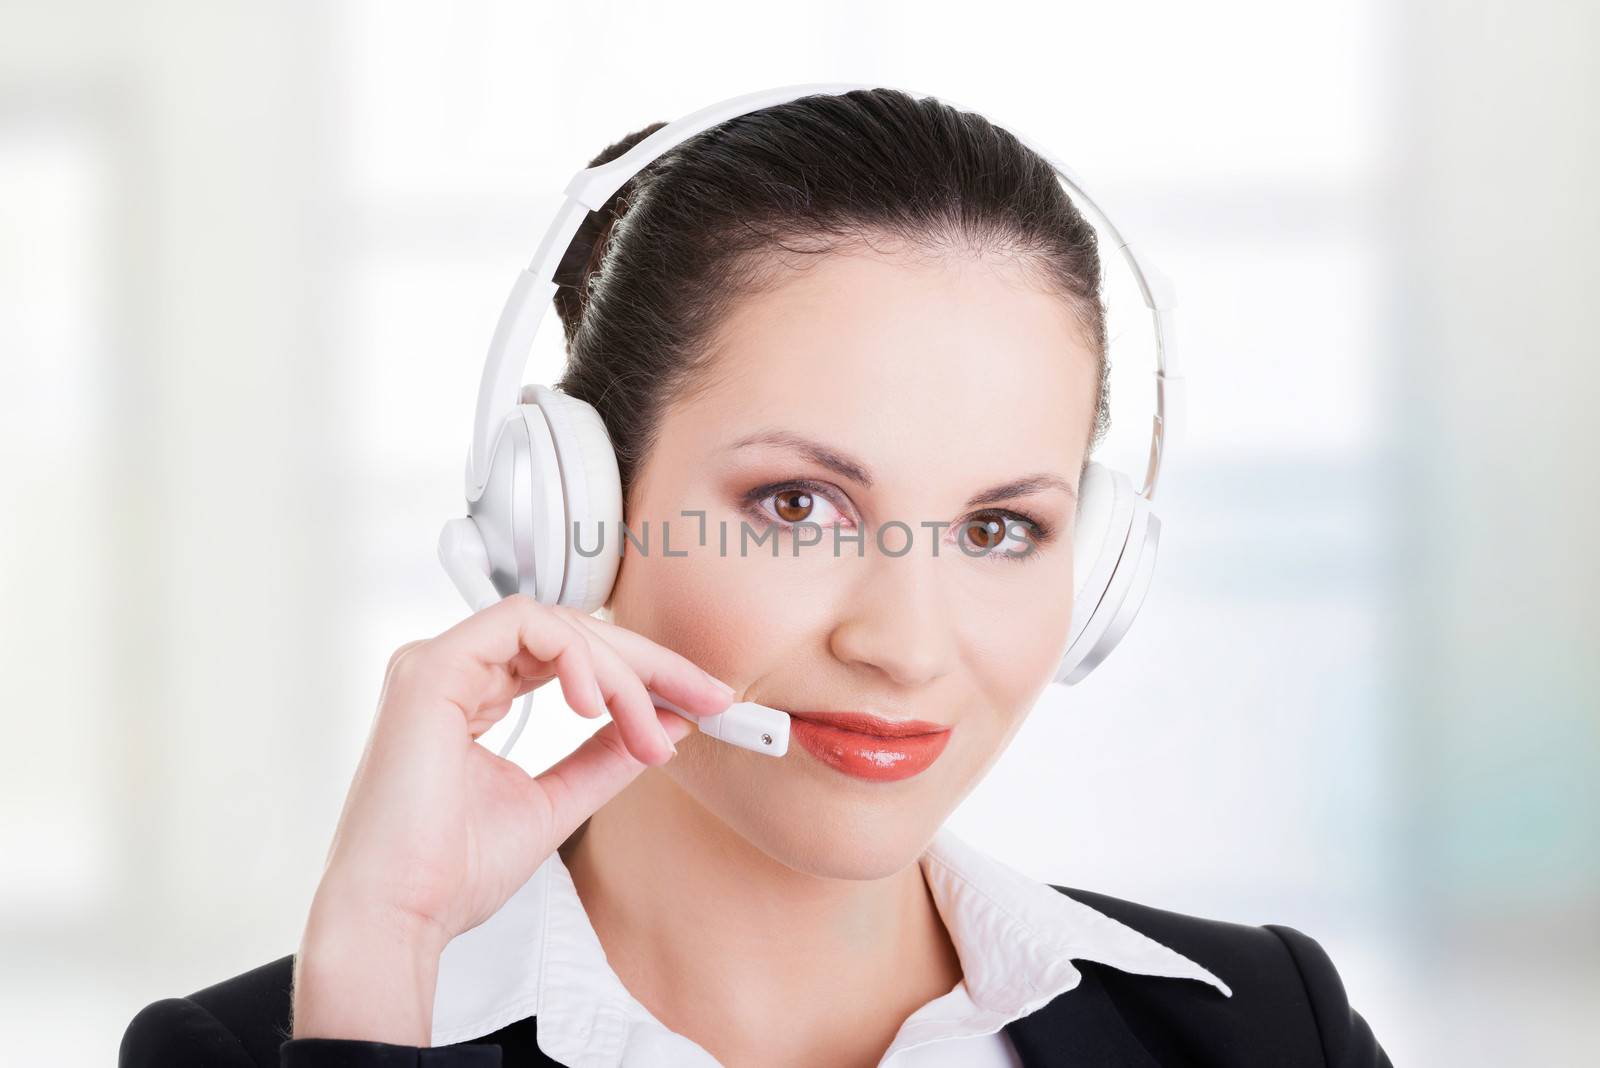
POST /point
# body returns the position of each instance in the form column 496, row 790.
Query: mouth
column 869, row 747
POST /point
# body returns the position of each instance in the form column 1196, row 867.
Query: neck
column 737, row 951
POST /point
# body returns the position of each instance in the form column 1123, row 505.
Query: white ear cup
column 592, row 491
column 553, row 465
column 1114, row 548
column 521, row 508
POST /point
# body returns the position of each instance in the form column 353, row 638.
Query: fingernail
column 719, row 684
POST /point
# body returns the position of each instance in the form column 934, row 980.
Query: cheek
column 1013, row 660
column 734, row 617
column 1038, row 647
column 1016, row 640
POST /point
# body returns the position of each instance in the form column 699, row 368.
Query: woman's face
column 928, row 382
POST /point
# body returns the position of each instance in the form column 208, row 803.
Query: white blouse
column 1016, row 938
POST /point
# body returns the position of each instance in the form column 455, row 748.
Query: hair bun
column 588, row 248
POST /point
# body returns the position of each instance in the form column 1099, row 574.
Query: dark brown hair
column 648, row 277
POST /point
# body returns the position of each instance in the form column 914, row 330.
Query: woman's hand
column 437, row 831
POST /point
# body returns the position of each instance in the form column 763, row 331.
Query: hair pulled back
column 648, row 278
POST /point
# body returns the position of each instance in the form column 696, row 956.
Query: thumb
column 579, row 783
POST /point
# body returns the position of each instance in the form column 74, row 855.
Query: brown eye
column 985, row 533
column 793, row 505
column 1002, row 535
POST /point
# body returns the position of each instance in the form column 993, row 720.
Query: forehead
column 903, row 360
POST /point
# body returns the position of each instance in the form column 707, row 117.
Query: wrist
column 339, row 904
column 363, row 973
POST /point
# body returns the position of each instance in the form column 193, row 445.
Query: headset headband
column 534, row 291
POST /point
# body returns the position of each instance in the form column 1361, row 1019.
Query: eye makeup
column 750, row 506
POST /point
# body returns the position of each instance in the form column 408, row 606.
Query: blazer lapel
column 1081, row 1027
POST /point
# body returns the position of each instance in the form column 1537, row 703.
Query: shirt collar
column 1016, row 938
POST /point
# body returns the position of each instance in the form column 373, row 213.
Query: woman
column 819, row 318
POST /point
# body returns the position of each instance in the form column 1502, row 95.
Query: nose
column 898, row 621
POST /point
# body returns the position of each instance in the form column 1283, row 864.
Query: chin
column 835, row 831
column 844, row 849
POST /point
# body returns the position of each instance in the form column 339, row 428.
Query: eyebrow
column 856, row 471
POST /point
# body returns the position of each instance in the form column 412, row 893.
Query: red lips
column 869, row 747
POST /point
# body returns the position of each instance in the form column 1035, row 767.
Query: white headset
column 541, row 472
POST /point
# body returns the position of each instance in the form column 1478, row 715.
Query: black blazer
column 1288, row 1009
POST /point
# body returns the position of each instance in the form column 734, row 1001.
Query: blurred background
column 250, row 259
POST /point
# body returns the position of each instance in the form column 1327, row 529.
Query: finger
column 629, row 703
column 670, row 674
column 490, row 658
column 530, row 673
column 586, row 778
column 612, row 685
